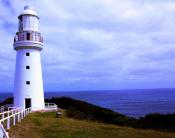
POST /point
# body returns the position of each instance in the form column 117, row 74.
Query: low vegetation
column 46, row 125
column 85, row 111
column 7, row 101
column 82, row 110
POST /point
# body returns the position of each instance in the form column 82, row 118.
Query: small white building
column 28, row 42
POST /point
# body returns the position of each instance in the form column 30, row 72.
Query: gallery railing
column 28, row 36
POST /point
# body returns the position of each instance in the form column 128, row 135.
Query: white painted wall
column 34, row 75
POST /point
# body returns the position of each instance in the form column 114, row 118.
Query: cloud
column 120, row 44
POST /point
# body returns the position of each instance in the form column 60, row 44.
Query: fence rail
column 5, row 108
column 11, row 115
column 50, row 106
column 11, row 118
column 3, row 133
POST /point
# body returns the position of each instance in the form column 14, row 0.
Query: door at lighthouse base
column 27, row 102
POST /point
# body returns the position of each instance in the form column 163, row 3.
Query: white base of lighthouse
column 28, row 85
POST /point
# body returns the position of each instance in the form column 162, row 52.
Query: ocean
column 134, row 103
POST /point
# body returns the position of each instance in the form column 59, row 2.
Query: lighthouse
column 28, row 43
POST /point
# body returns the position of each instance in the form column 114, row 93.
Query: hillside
column 85, row 111
column 82, row 110
column 46, row 125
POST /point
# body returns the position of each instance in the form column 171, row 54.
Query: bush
column 158, row 121
column 7, row 101
column 83, row 110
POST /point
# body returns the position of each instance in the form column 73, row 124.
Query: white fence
column 50, row 107
column 11, row 117
column 2, row 108
column 3, row 133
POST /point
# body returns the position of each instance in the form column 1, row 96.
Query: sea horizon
column 131, row 102
column 127, row 89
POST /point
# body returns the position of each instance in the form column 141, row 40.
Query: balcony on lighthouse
column 28, row 36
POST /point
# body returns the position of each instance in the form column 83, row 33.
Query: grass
column 46, row 125
column 82, row 110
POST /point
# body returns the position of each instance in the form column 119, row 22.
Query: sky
column 96, row 44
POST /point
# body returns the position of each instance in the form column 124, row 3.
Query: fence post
column 8, row 123
column 18, row 116
column 8, row 113
column 8, row 120
column 24, row 112
column 22, row 115
column 3, row 116
column 14, row 120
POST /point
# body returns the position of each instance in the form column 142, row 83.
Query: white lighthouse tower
column 28, row 42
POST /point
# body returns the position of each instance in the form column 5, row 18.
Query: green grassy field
column 46, row 125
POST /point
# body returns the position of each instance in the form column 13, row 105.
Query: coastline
column 85, row 111
column 133, row 103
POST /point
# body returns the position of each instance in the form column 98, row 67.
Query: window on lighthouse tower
column 27, row 54
column 28, row 36
column 20, row 24
column 27, row 67
column 28, row 82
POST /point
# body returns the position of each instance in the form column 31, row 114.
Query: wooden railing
column 14, row 115
column 6, row 107
column 50, row 106
column 3, row 133
column 3, row 108
column 11, row 117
